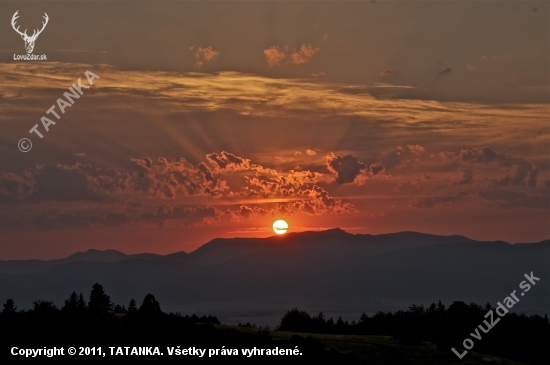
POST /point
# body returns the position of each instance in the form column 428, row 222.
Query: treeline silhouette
column 99, row 306
column 97, row 321
column 517, row 337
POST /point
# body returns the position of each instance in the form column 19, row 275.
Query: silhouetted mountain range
column 330, row 268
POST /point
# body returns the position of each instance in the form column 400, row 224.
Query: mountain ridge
column 335, row 269
column 110, row 255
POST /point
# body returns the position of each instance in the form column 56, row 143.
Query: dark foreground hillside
column 173, row 332
column 98, row 329
column 384, row 350
column 156, row 337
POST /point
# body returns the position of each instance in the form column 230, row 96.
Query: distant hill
column 332, row 269
column 16, row 267
column 330, row 243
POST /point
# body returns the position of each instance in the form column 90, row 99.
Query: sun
column 280, row 226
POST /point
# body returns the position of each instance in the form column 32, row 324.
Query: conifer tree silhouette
column 132, row 308
column 100, row 303
column 9, row 307
column 44, row 307
column 81, row 304
column 71, row 304
column 150, row 306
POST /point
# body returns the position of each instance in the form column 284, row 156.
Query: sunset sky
column 215, row 119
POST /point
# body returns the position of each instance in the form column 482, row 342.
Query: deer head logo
column 29, row 41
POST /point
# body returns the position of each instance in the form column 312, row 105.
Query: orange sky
column 214, row 120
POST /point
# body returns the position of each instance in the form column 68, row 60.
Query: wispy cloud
column 274, row 56
column 389, row 72
column 205, row 55
column 403, row 150
column 304, row 54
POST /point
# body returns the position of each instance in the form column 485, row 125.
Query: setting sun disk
column 280, row 226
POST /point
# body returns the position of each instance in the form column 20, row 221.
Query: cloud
column 519, row 172
column 175, row 101
column 311, row 152
column 274, row 56
column 349, row 169
column 156, row 179
column 171, row 178
column 299, row 186
column 63, row 183
column 318, row 74
column 443, row 201
column 228, row 162
column 297, row 153
column 376, row 168
column 416, row 149
column 249, row 95
column 188, row 216
column 504, row 199
column 318, row 202
column 268, row 183
column 16, row 187
column 446, row 71
column 403, row 156
column 150, row 180
column 160, row 216
column 205, row 55
column 467, row 177
column 245, row 212
column 305, row 53
column 471, row 67
column 389, row 72
column 346, row 169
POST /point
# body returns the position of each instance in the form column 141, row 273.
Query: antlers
column 36, row 33
column 13, row 19
column 43, row 26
